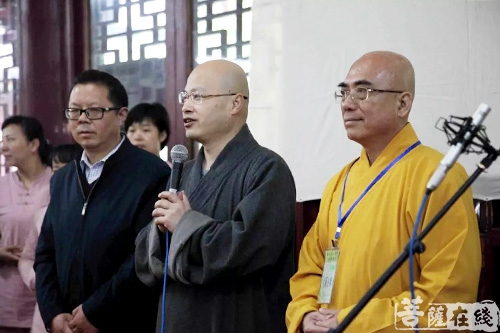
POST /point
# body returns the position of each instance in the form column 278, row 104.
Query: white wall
column 301, row 50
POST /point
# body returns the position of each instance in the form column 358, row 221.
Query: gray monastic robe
column 232, row 255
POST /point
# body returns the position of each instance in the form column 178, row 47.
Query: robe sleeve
column 25, row 263
column 304, row 285
column 149, row 255
column 205, row 250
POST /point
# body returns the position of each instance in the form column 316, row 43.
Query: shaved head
column 223, row 109
column 374, row 121
column 225, row 75
column 392, row 68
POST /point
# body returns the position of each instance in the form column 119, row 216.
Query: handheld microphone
column 179, row 155
column 460, row 143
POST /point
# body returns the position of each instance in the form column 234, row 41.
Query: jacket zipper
column 82, row 292
column 84, row 209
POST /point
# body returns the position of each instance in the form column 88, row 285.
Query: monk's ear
column 405, row 101
column 238, row 103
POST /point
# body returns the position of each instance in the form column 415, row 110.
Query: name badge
column 328, row 277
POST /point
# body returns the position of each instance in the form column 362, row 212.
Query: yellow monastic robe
column 375, row 234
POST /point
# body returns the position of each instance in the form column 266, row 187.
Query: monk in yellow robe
column 376, row 99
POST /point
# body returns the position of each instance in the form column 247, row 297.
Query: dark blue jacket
column 85, row 255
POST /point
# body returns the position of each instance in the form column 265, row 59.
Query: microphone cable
column 179, row 154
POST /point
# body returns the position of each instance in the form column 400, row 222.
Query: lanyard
column 341, row 219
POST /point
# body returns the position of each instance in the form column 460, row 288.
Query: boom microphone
column 460, row 143
column 179, row 155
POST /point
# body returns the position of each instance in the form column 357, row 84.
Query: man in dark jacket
column 84, row 260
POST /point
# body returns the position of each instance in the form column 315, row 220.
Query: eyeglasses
column 93, row 113
column 359, row 93
column 197, row 98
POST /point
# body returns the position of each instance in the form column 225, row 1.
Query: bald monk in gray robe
column 231, row 251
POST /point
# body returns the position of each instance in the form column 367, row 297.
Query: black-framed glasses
column 360, row 93
column 197, row 98
column 92, row 113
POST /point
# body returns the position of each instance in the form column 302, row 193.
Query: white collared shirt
column 93, row 171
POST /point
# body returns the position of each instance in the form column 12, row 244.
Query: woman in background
column 148, row 127
column 63, row 154
column 22, row 193
column 60, row 156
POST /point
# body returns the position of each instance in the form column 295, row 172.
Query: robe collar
column 399, row 143
column 200, row 187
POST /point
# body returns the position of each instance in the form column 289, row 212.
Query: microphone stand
column 418, row 247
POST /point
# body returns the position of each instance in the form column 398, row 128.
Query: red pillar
column 54, row 43
column 178, row 65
